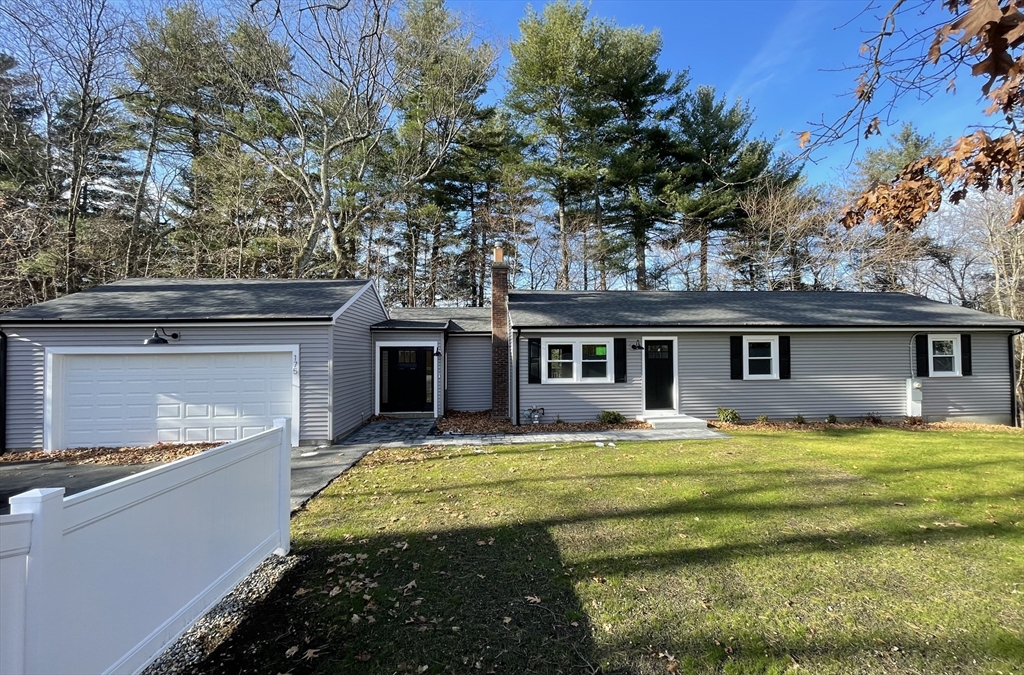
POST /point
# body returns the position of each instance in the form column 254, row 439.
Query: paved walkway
column 313, row 468
column 412, row 432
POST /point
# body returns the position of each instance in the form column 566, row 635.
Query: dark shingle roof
column 195, row 299
column 740, row 308
column 452, row 319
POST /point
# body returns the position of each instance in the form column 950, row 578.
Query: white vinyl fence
column 102, row 581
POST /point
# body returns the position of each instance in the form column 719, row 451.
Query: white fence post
column 285, row 486
column 44, row 613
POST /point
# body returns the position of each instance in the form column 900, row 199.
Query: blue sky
column 785, row 58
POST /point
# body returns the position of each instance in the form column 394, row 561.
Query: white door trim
column 675, row 376
column 54, row 364
column 376, row 368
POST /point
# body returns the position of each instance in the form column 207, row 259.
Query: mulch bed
column 148, row 454
column 483, row 423
column 906, row 425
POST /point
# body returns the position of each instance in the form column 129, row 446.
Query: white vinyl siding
column 26, row 378
column 469, row 372
column 352, row 363
column 582, row 401
column 982, row 396
column 845, row 374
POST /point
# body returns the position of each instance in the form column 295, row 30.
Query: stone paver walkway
column 408, row 433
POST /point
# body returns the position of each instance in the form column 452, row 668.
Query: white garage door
column 135, row 399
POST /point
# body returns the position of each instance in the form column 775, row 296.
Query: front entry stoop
column 675, row 422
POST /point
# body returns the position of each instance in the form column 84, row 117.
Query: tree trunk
column 563, row 232
column 640, row 249
column 705, row 243
column 130, row 264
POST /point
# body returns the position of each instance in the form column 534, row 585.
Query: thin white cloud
column 777, row 59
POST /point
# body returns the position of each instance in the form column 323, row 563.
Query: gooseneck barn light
column 157, row 340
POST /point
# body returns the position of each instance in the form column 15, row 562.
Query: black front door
column 659, row 375
column 406, row 379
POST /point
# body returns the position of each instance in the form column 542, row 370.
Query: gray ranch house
column 672, row 356
column 146, row 360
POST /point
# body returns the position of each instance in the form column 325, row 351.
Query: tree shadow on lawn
column 503, row 597
column 473, row 600
column 478, row 598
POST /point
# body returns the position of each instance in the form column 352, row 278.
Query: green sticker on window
column 601, row 350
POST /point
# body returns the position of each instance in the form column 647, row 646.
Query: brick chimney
column 499, row 336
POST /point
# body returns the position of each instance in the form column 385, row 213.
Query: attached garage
column 137, row 397
column 232, row 355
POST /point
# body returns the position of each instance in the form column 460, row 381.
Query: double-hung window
column 583, row 360
column 760, row 357
column 944, row 355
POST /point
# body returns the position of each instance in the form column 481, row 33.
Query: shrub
column 872, row 418
column 611, row 417
column 762, row 419
column 799, row 419
column 559, row 420
column 831, row 419
column 728, row 415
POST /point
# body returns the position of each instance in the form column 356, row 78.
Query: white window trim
column 774, row 341
column 577, row 360
column 957, row 363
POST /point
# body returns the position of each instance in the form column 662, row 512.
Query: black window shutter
column 922, row 356
column 785, row 364
column 966, row 367
column 736, row 357
column 534, row 361
column 620, row 359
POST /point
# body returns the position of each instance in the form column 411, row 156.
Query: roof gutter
column 692, row 328
column 170, row 319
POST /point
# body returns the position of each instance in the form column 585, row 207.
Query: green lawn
column 840, row 551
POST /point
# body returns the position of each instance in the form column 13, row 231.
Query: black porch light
column 636, row 345
column 157, row 340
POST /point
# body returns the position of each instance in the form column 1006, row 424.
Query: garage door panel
column 225, row 433
column 193, row 410
column 142, row 398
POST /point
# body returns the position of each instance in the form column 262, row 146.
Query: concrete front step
column 675, row 422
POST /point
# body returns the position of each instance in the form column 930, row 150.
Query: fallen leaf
column 533, row 598
column 291, row 651
column 898, row 504
column 507, row 619
column 301, row 591
column 363, row 656
column 310, row 654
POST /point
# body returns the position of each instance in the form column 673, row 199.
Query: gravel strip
column 214, row 627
